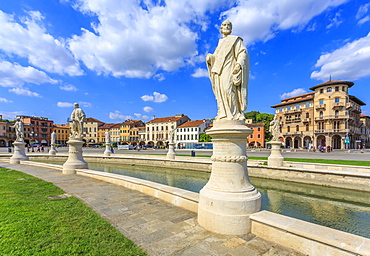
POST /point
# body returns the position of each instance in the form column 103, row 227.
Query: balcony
column 306, row 120
column 331, row 117
column 293, row 111
column 293, row 120
column 338, row 105
column 353, row 107
column 320, row 106
column 292, row 133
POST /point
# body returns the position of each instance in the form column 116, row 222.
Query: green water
column 341, row 209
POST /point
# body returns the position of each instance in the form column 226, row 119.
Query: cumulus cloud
column 68, row 87
column 160, row 77
column 293, row 93
column 25, row 92
column 85, row 104
column 156, row 97
column 29, row 39
column 15, row 75
column 5, row 100
column 115, row 45
column 148, row 109
column 349, row 62
column 362, row 11
column 200, row 72
column 117, row 115
column 256, row 20
column 64, row 104
column 141, row 117
column 11, row 115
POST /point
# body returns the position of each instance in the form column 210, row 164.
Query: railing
column 293, row 111
column 321, row 106
column 338, row 104
column 332, row 117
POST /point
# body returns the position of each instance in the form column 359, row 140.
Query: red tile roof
column 90, row 119
column 194, row 123
column 166, row 119
column 350, row 84
column 293, row 101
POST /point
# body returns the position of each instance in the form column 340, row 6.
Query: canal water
column 341, row 209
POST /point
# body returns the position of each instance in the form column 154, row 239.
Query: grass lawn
column 32, row 224
column 320, row 161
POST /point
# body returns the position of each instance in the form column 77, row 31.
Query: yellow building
column 328, row 116
column 91, row 126
column 115, row 133
column 101, row 131
column 125, row 131
column 62, row 132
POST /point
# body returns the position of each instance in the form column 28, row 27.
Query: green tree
column 251, row 115
column 205, row 138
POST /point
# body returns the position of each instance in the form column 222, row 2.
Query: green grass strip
column 321, row 161
column 32, row 224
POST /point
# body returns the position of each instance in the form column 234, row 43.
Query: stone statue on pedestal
column 228, row 70
column 107, row 137
column 77, row 118
column 19, row 131
column 53, row 138
column 275, row 129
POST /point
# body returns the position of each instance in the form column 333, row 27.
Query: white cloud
column 85, row 104
column 293, row 93
column 116, row 44
column 15, row 75
column 118, row 115
column 5, row 100
column 200, row 72
column 148, row 109
column 68, row 87
column 363, row 20
column 157, row 97
column 160, row 77
column 29, row 39
column 362, row 10
column 335, row 22
column 11, row 115
column 141, row 117
column 349, row 62
column 64, row 104
column 256, row 20
column 25, row 92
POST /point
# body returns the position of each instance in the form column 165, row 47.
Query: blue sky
column 137, row 59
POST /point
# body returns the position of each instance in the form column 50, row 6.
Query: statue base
column 19, row 153
column 228, row 199
column 275, row 158
column 107, row 151
column 75, row 159
column 52, row 150
column 171, row 154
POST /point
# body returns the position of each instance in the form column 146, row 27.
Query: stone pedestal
column 107, row 151
column 75, row 159
column 52, row 150
column 171, row 154
column 19, row 153
column 276, row 158
column 228, row 199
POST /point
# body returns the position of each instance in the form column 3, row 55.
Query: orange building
column 37, row 129
column 257, row 138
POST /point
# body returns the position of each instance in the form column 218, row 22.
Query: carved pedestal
column 19, row 153
column 171, row 154
column 75, row 159
column 52, row 150
column 276, row 158
column 228, row 199
column 107, row 151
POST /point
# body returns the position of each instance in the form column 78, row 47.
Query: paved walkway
column 157, row 227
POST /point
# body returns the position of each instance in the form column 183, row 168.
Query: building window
column 307, row 115
column 307, row 127
column 288, row 108
column 258, row 136
column 251, row 136
column 321, row 114
column 337, row 89
column 297, row 106
column 336, row 100
column 336, row 113
column 297, row 128
column 321, row 102
column 329, row 89
column 280, row 109
column 259, row 129
column 288, row 128
column 307, row 105
column 321, row 90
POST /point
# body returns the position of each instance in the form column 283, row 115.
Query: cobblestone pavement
column 157, row 227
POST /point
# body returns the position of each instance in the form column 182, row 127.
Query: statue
column 172, row 135
column 53, row 138
column 228, row 70
column 275, row 129
column 107, row 137
column 19, row 131
column 77, row 118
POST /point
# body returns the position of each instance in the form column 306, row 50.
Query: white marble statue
column 19, row 131
column 77, row 118
column 53, row 138
column 107, row 137
column 275, row 129
column 228, row 70
column 172, row 135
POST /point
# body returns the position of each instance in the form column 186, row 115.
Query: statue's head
column 226, row 28
column 76, row 105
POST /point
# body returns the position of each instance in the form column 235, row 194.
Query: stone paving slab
column 157, row 227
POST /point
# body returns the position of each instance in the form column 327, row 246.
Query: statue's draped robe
column 231, row 98
column 78, row 117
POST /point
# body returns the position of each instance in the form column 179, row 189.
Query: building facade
column 158, row 129
column 190, row 131
column 37, row 129
column 91, row 126
column 62, row 132
column 257, row 138
column 328, row 116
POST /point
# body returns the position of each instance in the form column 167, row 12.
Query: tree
column 265, row 118
column 205, row 138
column 251, row 115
